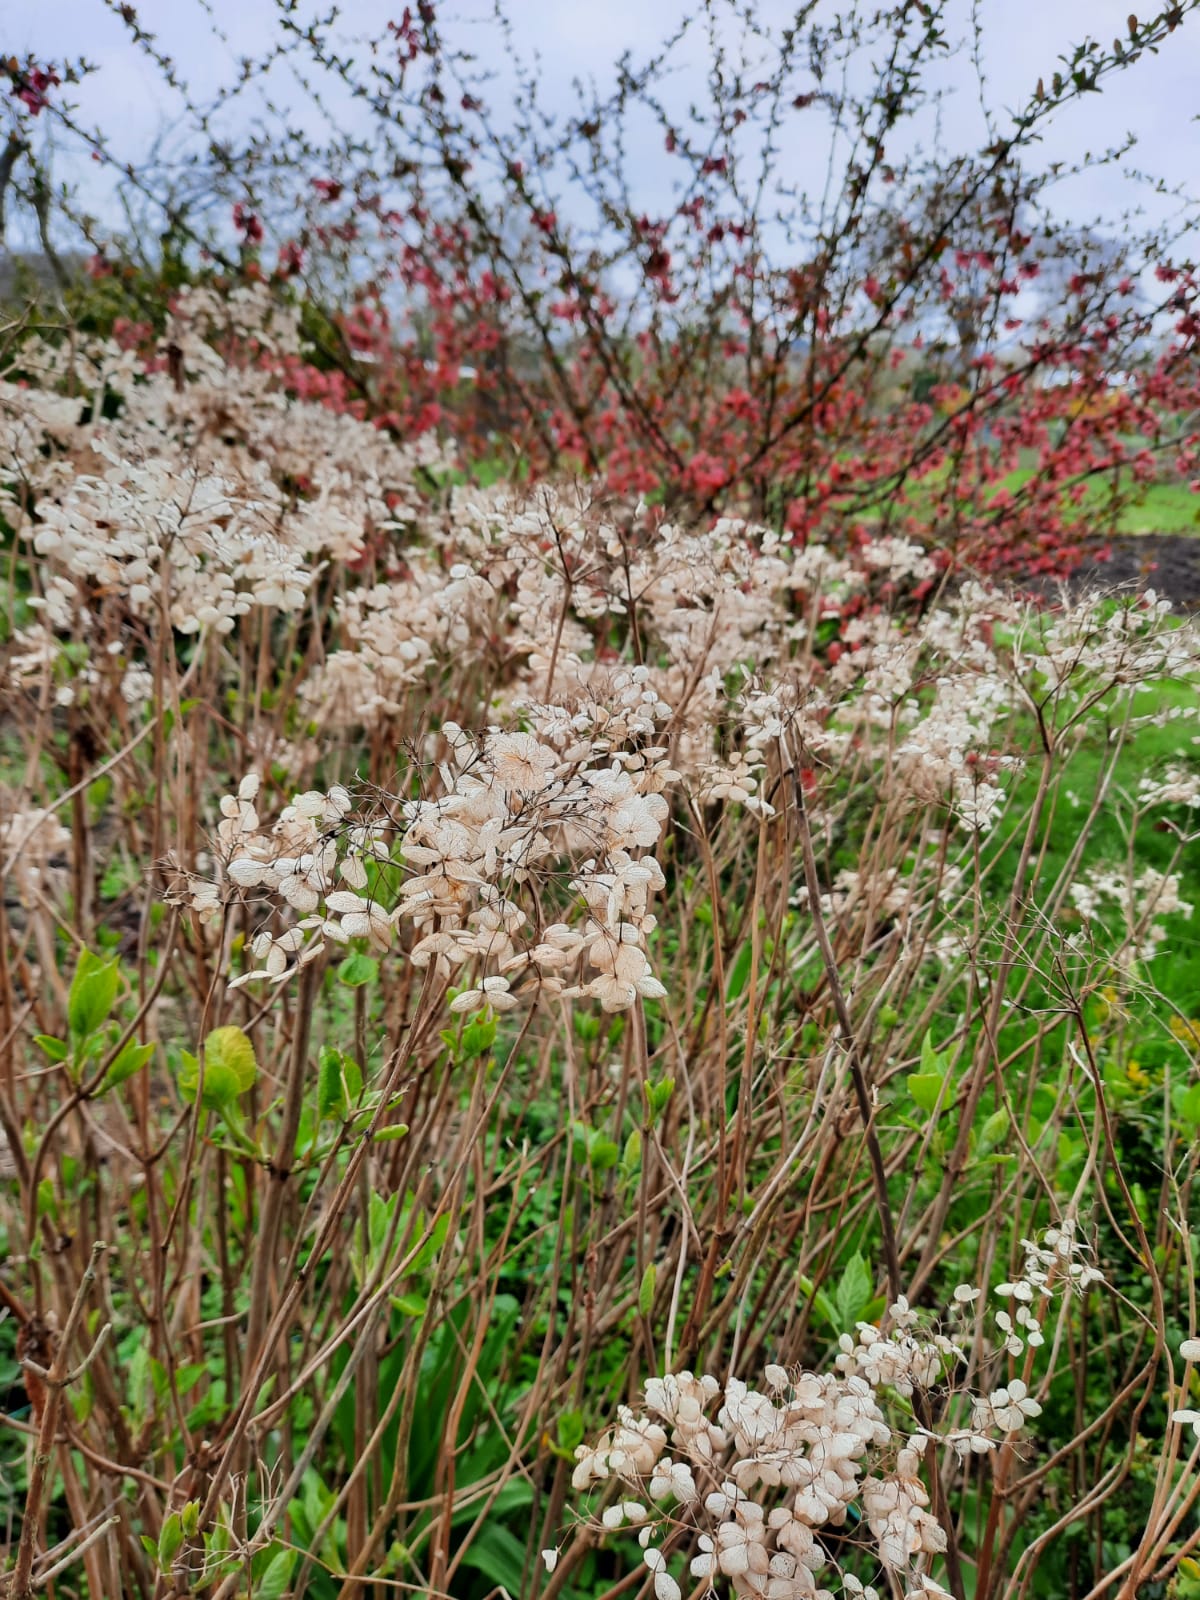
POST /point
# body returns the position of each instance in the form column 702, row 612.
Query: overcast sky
column 1157, row 100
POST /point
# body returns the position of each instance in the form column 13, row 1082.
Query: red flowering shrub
column 924, row 352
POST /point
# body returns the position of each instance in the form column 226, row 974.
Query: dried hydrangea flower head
column 750, row 1478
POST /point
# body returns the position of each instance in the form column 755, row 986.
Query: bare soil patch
column 1168, row 563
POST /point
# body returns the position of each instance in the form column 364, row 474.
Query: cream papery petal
column 345, row 900
column 246, row 873
column 353, row 871
column 300, row 894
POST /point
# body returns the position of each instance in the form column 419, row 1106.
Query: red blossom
column 32, row 87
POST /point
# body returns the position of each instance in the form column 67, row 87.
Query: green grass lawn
column 1164, row 507
column 1159, row 508
column 1175, row 972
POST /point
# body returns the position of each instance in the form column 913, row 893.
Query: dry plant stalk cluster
column 503, row 925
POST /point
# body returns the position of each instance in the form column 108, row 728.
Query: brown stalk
column 56, row 1378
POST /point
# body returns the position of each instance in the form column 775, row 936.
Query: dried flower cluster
column 1138, row 900
column 201, row 499
column 630, row 671
column 754, row 1487
column 548, row 752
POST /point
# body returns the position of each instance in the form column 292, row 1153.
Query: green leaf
column 132, row 1059
column 514, row 1496
column 821, row 1303
column 930, row 1060
column 569, row 1431
column 853, row 1292
column 231, row 1048
column 410, row 1305
column 189, row 1079
column 379, row 1218
column 646, row 1290
column 358, row 969
column 331, row 1095
column 478, row 1037
column 631, row 1156
column 334, row 1098
column 54, row 1048
column 353, row 1075
column 602, row 1153
column 97, row 795
column 925, row 1088
column 93, row 991
column 118, row 877
column 230, row 1068
column 219, row 1540
column 498, row 1555
column 739, row 972
column 274, row 1581
column 186, row 1379
column 170, row 1541
column 1043, row 1103
column 391, row 1135
column 993, row 1130
column 587, row 1025
column 658, row 1096
column 431, row 1247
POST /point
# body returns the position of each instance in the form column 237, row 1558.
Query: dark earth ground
column 1168, row 563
